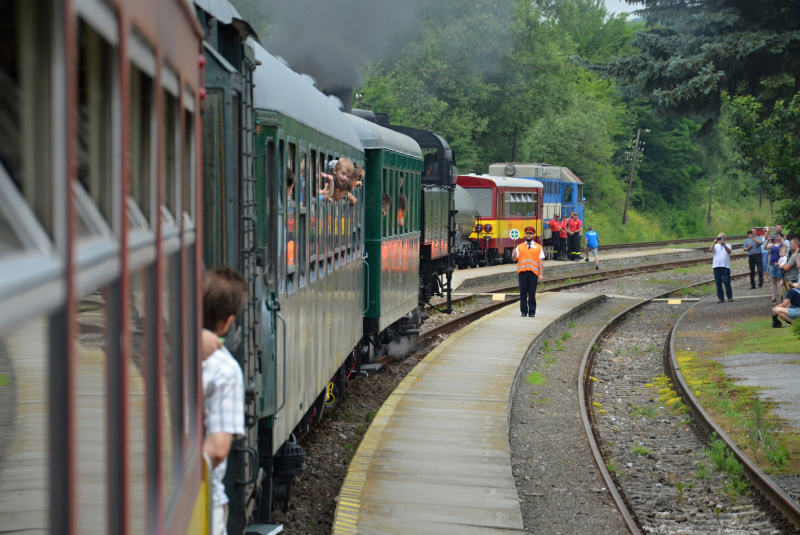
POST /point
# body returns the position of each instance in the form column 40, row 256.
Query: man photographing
column 529, row 257
column 722, row 266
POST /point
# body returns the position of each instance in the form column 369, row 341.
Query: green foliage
column 559, row 345
column 638, row 449
column 566, row 335
column 371, row 415
column 647, row 412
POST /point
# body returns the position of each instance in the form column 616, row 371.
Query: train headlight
column 487, row 227
column 478, row 227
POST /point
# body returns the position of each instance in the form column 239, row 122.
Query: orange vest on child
column 528, row 259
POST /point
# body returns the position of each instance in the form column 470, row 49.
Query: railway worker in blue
column 529, row 257
column 753, row 245
column 592, row 243
column 224, row 293
column 722, row 266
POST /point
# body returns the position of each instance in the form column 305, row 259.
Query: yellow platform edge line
column 359, row 465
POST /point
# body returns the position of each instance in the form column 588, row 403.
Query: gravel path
column 652, row 448
column 560, row 489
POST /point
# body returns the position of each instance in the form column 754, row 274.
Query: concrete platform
column 504, row 272
column 436, row 458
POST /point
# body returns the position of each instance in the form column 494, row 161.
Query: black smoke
column 333, row 40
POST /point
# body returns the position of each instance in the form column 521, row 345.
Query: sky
column 620, row 6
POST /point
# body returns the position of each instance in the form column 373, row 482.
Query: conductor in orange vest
column 530, row 270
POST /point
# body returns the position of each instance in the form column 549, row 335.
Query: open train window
column 291, row 221
column 302, row 220
column 278, row 178
column 310, row 171
column 189, row 155
column 430, row 163
column 142, row 161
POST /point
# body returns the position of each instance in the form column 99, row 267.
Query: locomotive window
column 580, row 193
column 430, row 166
column 169, row 153
column 140, row 136
column 567, row 195
column 96, row 137
column 484, row 200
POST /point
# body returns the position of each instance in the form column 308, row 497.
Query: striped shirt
column 223, row 405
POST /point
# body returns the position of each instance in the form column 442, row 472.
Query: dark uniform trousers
column 563, row 255
column 556, row 246
column 575, row 246
column 527, row 292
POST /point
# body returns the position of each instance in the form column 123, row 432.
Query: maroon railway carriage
column 100, row 400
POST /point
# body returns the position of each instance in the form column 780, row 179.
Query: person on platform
column 562, row 236
column 224, row 293
column 753, row 245
column 574, row 227
column 529, row 257
column 791, row 269
column 555, row 229
column 722, row 267
column 592, row 243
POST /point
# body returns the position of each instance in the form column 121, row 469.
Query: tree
column 769, row 144
column 693, row 50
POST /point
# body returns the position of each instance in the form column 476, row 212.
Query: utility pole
column 630, row 178
column 514, row 146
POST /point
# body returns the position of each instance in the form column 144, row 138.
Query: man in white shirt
column 223, row 385
column 722, row 267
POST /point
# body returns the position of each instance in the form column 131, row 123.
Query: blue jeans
column 765, row 260
column 721, row 275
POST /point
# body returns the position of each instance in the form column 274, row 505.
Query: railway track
column 662, row 448
column 553, row 285
column 654, row 244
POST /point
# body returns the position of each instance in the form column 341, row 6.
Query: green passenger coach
column 311, row 293
column 392, row 235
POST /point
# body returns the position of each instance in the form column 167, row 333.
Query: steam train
column 142, row 142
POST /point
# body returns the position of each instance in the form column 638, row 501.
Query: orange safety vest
column 528, row 259
column 290, row 252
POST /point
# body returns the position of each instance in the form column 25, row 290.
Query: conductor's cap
column 530, row 229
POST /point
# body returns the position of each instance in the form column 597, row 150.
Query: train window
column 137, row 409
column 278, row 177
column 191, row 355
column 25, row 423
column 96, row 137
column 189, row 171
column 171, row 380
column 567, row 199
column 484, row 200
column 140, row 136
column 302, row 196
column 385, row 205
column 313, row 204
column 580, row 193
column 170, row 129
column 430, row 164
column 270, row 224
column 92, row 409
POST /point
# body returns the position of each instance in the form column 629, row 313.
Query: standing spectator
column 555, row 229
column 223, row 385
column 775, row 273
column 722, row 267
column 791, row 269
column 764, row 252
column 592, row 243
column 753, row 247
column 562, row 236
column 530, row 270
column 574, row 226
column 789, row 309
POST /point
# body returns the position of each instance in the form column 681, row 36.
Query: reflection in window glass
column 24, row 428
column 92, row 413
column 169, row 160
column 171, row 406
column 137, row 432
column 188, row 163
column 483, row 198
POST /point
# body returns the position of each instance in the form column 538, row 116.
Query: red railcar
column 504, row 207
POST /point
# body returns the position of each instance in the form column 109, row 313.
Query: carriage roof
column 374, row 136
column 497, row 181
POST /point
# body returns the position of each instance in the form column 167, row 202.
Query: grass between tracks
column 738, row 409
